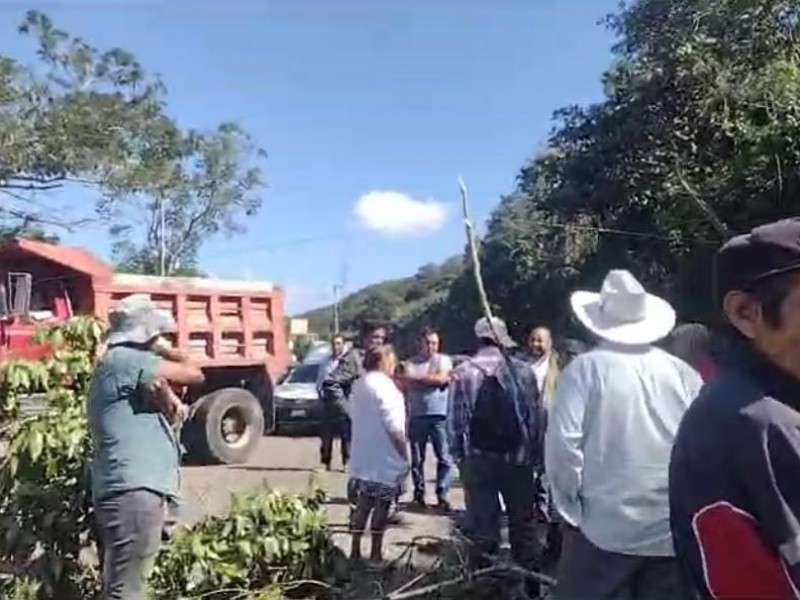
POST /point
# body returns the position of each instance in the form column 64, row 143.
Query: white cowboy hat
column 623, row 312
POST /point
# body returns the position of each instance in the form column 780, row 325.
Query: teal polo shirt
column 134, row 446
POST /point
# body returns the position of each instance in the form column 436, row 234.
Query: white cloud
column 397, row 214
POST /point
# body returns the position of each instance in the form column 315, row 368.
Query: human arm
column 563, row 451
column 175, row 366
column 393, row 417
column 157, row 390
column 537, row 416
column 767, row 461
column 336, row 385
column 458, row 412
column 438, row 376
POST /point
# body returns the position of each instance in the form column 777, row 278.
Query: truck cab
column 233, row 330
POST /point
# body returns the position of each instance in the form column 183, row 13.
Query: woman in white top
column 379, row 460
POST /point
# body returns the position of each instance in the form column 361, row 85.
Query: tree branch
column 704, row 207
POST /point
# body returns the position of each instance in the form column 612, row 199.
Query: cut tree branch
column 704, row 206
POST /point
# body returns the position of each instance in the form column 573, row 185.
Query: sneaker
column 444, row 506
column 419, row 502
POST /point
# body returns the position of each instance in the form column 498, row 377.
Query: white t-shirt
column 376, row 407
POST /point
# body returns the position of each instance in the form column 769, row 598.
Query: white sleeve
column 563, row 454
column 392, row 408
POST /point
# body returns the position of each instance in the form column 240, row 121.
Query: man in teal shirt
column 136, row 455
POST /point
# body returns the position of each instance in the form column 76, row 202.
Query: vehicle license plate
column 298, row 413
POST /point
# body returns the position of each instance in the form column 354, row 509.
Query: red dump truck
column 234, row 330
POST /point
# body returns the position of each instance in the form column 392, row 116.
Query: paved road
column 288, row 463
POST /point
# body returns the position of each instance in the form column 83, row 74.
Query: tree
column 205, row 191
column 698, row 135
column 82, row 117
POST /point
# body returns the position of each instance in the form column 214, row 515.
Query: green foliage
column 81, row 116
column 701, row 110
column 400, row 301
column 265, row 543
column 43, row 474
column 209, row 190
column 95, row 118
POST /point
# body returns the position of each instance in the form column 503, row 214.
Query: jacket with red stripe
column 735, row 482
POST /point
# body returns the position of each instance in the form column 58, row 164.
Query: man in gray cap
column 136, row 456
column 496, row 429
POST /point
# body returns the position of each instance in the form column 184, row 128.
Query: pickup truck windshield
column 303, row 374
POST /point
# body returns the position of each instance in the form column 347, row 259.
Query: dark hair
column 429, row 331
column 374, row 357
column 771, row 293
column 368, row 327
column 337, row 336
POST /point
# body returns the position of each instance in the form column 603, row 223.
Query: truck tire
column 226, row 427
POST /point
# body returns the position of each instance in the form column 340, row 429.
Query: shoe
column 419, row 502
column 444, row 506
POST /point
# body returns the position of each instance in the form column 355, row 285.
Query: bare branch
column 704, row 207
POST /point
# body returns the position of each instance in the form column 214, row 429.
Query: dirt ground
column 290, row 463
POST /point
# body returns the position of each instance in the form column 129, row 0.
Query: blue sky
column 352, row 97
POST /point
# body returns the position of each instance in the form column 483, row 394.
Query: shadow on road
column 270, row 469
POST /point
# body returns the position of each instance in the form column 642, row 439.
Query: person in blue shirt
column 136, row 454
column 426, row 378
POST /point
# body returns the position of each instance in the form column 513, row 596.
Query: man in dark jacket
column 336, row 392
column 735, row 468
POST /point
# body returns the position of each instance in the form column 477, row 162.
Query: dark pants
column 131, row 525
column 586, row 571
column 548, row 515
column 369, row 501
column 485, row 478
column 421, row 430
column 335, row 424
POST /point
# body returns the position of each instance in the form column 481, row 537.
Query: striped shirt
column 467, row 379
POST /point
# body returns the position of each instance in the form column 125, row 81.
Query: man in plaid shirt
column 488, row 475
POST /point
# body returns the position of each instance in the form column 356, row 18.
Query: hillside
column 395, row 300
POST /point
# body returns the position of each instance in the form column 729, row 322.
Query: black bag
column 494, row 426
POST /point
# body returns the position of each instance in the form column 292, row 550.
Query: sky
column 369, row 111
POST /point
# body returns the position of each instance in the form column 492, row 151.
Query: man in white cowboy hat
column 135, row 461
column 610, row 432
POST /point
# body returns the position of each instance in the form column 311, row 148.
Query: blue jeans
column 422, row 429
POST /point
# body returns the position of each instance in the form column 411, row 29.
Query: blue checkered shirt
column 467, row 379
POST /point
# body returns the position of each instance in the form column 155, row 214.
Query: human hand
column 164, row 349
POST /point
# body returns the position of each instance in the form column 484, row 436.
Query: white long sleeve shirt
column 610, row 433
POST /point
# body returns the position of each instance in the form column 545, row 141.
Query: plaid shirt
column 467, row 379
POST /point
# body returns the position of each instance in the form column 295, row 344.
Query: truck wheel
column 226, row 426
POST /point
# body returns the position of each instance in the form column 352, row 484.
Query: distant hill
column 399, row 301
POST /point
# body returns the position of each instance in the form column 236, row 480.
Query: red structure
column 233, row 329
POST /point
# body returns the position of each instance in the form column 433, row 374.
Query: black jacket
column 336, row 387
column 735, row 482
